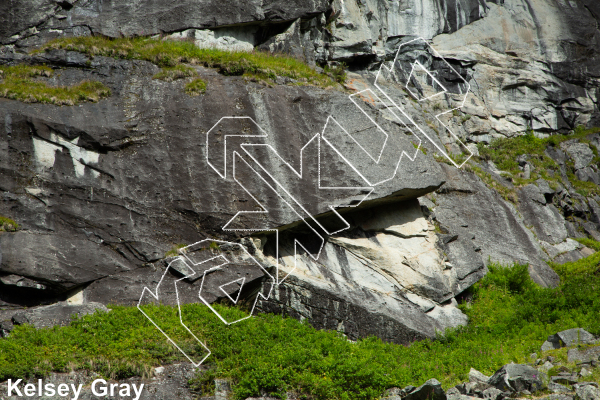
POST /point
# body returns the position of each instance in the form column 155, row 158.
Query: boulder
column 576, row 336
column 589, row 174
column 393, row 394
column 558, row 388
column 587, row 391
column 581, row 154
column 568, row 338
column 584, row 355
column 517, row 378
column 476, row 376
column 430, row 390
column 452, row 394
column 565, row 378
column 493, row 394
column 476, row 388
column 547, row 366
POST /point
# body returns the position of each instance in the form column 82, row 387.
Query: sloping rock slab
column 90, row 222
column 587, row 391
column 584, row 355
column 55, row 314
column 488, row 228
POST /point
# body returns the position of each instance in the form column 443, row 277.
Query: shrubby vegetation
column 21, row 82
column 170, row 53
column 195, row 87
column 510, row 317
column 504, row 152
column 7, row 224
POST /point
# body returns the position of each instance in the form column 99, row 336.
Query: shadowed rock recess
column 102, row 191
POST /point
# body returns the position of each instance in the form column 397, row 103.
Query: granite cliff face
column 102, row 191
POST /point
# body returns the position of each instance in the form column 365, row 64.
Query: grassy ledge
column 504, row 153
column 22, row 82
column 170, row 74
column 510, row 317
column 168, row 53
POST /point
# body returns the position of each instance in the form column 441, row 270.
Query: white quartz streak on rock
column 45, row 154
column 398, row 265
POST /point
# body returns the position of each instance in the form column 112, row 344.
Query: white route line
column 283, row 194
column 182, row 258
column 156, row 296
column 438, row 115
column 239, row 289
column 432, row 78
column 296, row 242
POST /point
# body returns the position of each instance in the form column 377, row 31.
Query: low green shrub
column 174, row 250
column 513, row 280
column 504, row 152
column 509, row 318
column 592, row 244
column 338, row 72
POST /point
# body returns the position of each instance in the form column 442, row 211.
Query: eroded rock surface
column 389, row 266
column 102, row 191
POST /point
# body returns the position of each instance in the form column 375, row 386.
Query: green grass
column 168, row 53
column 195, row 87
column 504, row 152
column 174, row 250
column 338, row 72
column 507, row 193
column 22, row 82
column 592, row 244
column 170, row 74
column 8, row 222
column 510, row 317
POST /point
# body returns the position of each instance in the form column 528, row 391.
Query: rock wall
column 387, row 274
column 531, row 64
column 102, row 191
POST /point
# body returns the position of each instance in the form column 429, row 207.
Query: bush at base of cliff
column 510, row 318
